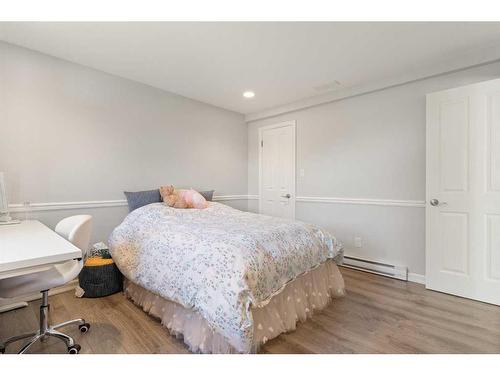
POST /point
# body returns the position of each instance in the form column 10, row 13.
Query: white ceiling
column 281, row 62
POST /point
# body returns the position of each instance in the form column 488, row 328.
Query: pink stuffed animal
column 193, row 199
column 182, row 198
column 172, row 197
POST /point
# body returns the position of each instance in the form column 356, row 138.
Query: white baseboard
column 15, row 303
column 416, row 278
column 12, row 306
column 60, row 289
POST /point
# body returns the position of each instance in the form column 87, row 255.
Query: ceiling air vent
column 335, row 85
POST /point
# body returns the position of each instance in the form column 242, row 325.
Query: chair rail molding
column 364, row 201
column 57, row 206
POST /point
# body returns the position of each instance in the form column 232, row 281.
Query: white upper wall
column 71, row 133
column 367, row 146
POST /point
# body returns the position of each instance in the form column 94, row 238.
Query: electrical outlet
column 358, row 241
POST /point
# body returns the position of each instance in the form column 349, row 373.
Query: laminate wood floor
column 377, row 315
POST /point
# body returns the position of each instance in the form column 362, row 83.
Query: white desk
column 30, row 247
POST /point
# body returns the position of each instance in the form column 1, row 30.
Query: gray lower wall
column 69, row 133
column 371, row 146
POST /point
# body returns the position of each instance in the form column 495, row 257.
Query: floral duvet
column 218, row 261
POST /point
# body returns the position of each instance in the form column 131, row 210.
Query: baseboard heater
column 384, row 269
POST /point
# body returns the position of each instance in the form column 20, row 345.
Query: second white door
column 277, row 170
column 463, row 191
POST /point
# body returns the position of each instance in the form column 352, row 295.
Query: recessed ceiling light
column 248, row 94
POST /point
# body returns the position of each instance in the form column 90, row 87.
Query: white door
column 463, row 191
column 277, row 170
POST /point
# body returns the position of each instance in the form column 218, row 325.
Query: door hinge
column 261, row 143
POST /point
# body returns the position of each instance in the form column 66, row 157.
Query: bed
column 224, row 280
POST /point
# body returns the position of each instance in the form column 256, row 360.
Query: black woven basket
column 100, row 281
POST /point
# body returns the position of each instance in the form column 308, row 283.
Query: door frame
column 292, row 124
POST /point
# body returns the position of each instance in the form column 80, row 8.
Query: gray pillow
column 208, row 195
column 136, row 199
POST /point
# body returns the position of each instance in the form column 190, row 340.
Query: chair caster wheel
column 75, row 349
column 84, row 327
column 2, row 350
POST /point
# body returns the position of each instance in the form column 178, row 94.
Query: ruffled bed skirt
column 296, row 301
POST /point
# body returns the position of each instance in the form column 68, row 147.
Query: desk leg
column 12, row 306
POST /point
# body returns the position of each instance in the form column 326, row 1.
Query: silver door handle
column 435, row 202
column 286, row 196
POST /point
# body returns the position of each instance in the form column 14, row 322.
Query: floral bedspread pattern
column 218, row 261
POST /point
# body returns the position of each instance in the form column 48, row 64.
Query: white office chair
column 77, row 230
